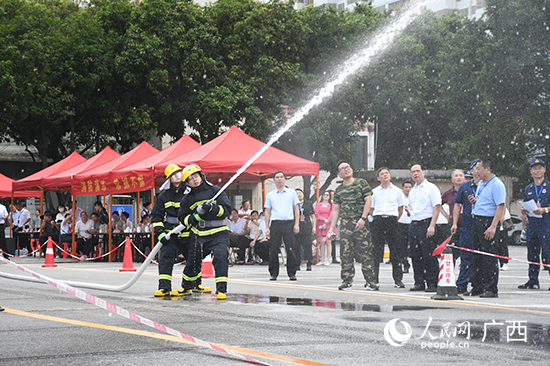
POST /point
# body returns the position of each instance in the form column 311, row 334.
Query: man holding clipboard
column 536, row 221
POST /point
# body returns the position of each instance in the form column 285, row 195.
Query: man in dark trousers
column 463, row 210
column 489, row 203
column 386, row 209
column 205, row 218
column 3, row 217
column 307, row 223
column 425, row 201
column 537, row 228
column 282, row 218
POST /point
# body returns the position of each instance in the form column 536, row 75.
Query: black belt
column 418, row 222
column 385, row 217
column 482, row 217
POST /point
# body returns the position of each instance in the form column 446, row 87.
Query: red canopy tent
column 34, row 181
column 147, row 166
column 230, row 151
column 61, row 182
column 6, row 189
column 226, row 154
column 98, row 180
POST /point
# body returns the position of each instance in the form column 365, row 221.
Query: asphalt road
column 306, row 322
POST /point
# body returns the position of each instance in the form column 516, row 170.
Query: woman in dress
column 323, row 218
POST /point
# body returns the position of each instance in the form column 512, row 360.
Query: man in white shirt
column 238, row 233
column 3, row 217
column 425, row 201
column 23, row 223
column 245, row 211
column 84, row 244
column 386, row 209
column 260, row 242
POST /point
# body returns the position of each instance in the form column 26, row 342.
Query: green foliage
column 48, row 75
column 448, row 90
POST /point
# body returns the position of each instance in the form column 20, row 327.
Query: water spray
column 375, row 47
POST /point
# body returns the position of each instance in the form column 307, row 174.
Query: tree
column 327, row 133
column 255, row 49
column 45, row 58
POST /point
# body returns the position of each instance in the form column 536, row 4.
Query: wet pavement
column 304, row 322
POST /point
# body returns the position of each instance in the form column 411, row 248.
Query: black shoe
column 528, row 286
column 489, row 294
column 473, row 293
column 417, row 288
column 273, row 278
column 308, row 268
column 461, row 291
column 372, row 286
column 399, row 284
column 335, row 261
column 345, row 284
column 293, row 278
column 431, row 289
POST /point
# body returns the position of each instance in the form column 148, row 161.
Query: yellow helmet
column 171, row 169
column 189, row 170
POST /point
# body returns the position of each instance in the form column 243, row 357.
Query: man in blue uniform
column 463, row 208
column 164, row 219
column 488, row 211
column 537, row 228
column 209, row 233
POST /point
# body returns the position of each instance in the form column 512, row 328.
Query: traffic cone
column 446, row 286
column 49, row 254
column 206, row 268
column 128, row 262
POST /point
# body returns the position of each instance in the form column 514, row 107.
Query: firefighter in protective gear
column 165, row 218
column 209, row 233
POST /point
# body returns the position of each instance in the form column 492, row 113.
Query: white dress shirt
column 237, row 227
column 386, row 201
column 423, row 198
column 406, row 217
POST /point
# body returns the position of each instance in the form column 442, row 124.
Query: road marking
column 250, row 352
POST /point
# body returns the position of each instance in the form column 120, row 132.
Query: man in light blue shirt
column 282, row 217
column 489, row 205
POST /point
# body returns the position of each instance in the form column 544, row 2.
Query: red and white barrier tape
column 23, row 256
column 125, row 313
column 141, row 253
column 61, row 250
column 499, row 256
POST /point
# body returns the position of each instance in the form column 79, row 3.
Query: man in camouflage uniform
column 352, row 200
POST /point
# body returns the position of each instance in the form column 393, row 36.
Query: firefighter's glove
column 163, row 238
column 193, row 219
column 204, row 208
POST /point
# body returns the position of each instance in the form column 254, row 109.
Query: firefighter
column 164, row 219
column 209, row 233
